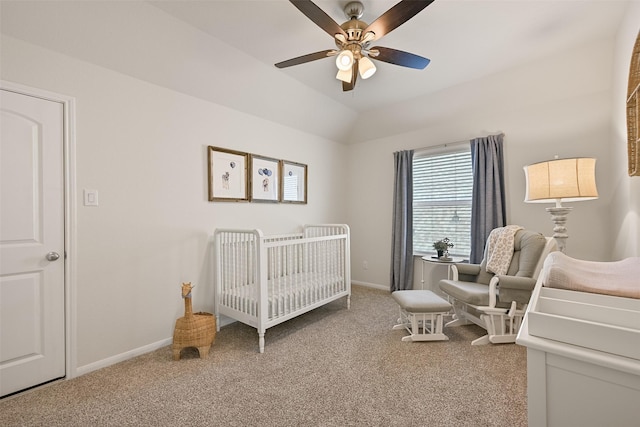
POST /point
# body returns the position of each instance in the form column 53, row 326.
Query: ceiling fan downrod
column 354, row 10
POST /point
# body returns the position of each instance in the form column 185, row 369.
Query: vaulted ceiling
column 225, row 50
column 465, row 39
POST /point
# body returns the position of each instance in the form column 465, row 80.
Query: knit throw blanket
column 500, row 248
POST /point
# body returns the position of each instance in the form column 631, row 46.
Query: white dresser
column 583, row 359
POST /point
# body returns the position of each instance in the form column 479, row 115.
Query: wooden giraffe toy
column 193, row 330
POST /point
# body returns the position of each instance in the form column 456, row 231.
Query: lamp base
column 559, row 218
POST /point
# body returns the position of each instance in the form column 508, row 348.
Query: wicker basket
column 196, row 330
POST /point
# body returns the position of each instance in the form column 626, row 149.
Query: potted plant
column 442, row 246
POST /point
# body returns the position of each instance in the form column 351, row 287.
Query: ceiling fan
column 354, row 37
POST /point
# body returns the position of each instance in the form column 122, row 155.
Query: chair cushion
column 470, row 293
column 527, row 248
column 419, row 301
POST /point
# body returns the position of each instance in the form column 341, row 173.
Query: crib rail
column 319, row 230
column 302, row 274
column 236, row 271
column 262, row 281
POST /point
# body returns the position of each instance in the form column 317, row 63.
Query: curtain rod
column 450, row 144
column 440, row 146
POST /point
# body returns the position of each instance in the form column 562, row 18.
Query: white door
column 32, row 329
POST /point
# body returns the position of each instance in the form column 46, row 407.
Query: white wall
column 558, row 105
column 625, row 207
column 144, row 148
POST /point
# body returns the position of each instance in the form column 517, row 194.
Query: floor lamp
column 559, row 180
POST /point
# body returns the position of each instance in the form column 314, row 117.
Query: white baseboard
column 224, row 321
column 122, row 357
column 370, row 285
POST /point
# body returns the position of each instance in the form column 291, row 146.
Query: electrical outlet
column 365, row 265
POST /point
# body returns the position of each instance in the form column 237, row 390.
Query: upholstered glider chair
column 495, row 293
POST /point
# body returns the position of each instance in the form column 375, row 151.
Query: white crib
column 265, row 280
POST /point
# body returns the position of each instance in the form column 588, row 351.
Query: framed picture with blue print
column 264, row 179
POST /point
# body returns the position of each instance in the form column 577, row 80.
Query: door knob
column 52, row 256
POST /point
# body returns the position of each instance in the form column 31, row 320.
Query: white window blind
column 442, row 190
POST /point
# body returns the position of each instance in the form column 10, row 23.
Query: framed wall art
column 227, row 175
column 293, row 182
column 265, row 179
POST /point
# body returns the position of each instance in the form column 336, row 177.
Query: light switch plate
column 91, row 197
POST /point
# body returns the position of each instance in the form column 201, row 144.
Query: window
column 442, row 189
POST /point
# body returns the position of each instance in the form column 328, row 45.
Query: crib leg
column 218, row 322
column 261, row 341
column 348, row 302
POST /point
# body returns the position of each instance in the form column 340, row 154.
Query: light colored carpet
column 329, row 367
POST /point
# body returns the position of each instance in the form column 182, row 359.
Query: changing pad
column 619, row 278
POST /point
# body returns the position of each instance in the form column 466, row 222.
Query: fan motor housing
column 354, row 28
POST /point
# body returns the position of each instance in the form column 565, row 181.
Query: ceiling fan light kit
column 344, row 60
column 353, row 39
column 366, row 67
column 344, row 75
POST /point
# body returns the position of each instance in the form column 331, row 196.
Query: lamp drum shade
column 568, row 180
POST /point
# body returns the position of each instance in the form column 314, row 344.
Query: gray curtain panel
column 488, row 206
column 402, row 238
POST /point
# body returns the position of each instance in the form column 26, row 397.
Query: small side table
column 435, row 260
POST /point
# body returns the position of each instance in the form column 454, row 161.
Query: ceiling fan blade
column 306, row 58
column 319, row 17
column 398, row 57
column 354, row 76
column 396, row 16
